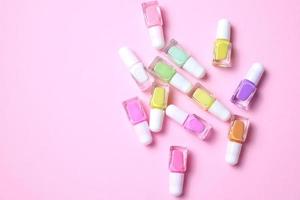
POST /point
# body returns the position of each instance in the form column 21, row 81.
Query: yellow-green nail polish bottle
column 222, row 45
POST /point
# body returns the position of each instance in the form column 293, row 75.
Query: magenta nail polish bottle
column 191, row 122
column 138, row 118
column 247, row 87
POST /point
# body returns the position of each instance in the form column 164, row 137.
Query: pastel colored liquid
column 152, row 14
column 193, row 124
column 222, row 52
column 164, row 71
column 135, row 111
column 179, row 56
column 177, row 162
column 238, row 130
column 203, row 97
column 244, row 94
column 158, row 99
column 245, row 90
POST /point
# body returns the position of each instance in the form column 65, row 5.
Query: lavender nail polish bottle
column 247, row 87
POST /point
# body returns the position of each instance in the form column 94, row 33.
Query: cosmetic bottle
column 209, row 103
column 138, row 118
column 158, row 104
column 163, row 71
column 154, row 23
column 190, row 122
column 177, row 168
column 183, row 59
column 236, row 137
column 247, row 87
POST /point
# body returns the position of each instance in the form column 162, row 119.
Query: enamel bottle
column 248, row 87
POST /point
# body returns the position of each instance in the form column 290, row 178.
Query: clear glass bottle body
column 222, row 53
column 238, row 129
column 203, row 97
column 152, row 14
column 176, row 53
column 141, row 77
column 135, row 110
column 244, row 94
column 197, row 126
column 178, row 159
column 160, row 96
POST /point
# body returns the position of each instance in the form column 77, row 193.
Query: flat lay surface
column 64, row 133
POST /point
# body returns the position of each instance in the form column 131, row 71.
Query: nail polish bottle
column 158, row 104
column 136, row 68
column 209, row 103
column 222, row 45
column 247, row 87
column 236, row 137
column 183, row 59
column 154, row 22
column 138, row 118
column 177, row 168
column 163, row 71
column 191, row 122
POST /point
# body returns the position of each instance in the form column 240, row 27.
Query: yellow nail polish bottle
column 207, row 101
column 222, row 45
column 158, row 104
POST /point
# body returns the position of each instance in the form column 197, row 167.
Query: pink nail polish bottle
column 190, row 122
column 138, row 118
column 177, row 168
column 154, row 22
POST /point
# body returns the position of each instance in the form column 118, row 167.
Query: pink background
column 64, row 134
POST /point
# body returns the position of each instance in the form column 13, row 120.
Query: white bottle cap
column 194, row 68
column 181, row 83
column 143, row 132
column 223, row 30
column 220, row 111
column 156, row 119
column 176, row 183
column 128, row 56
column 233, row 152
column 176, row 114
column 157, row 36
column 139, row 73
column 255, row 72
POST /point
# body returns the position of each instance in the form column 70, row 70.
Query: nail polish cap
column 181, row 83
column 176, row 183
column 255, row 72
column 143, row 132
column 128, row 56
column 157, row 36
column 194, row 68
column 220, row 111
column 156, row 119
column 176, row 114
column 223, row 30
column 233, row 152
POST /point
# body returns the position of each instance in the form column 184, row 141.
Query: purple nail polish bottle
column 247, row 87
